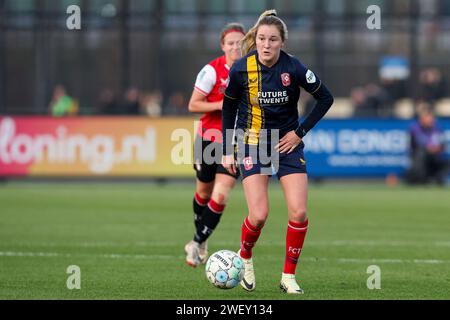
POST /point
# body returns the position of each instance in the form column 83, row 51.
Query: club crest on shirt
column 286, row 79
column 223, row 85
column 248, row 163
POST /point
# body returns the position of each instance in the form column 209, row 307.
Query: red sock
column 216, row 207
column 295, row 237
column 200, row 201
column 249, row 236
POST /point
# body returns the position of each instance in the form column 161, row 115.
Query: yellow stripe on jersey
column 255, row 114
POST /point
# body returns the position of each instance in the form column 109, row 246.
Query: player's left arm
column 324, row 100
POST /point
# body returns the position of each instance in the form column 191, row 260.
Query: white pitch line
column 68, row 255
column 417, row 261
column 167, row 257
column 334, row 243
column 32, row 254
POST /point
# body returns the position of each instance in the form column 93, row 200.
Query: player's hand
column 229, row 164
column 218, row 105
column 288, row 143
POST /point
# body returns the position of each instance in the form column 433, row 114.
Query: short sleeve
column 206, row 80
column 308, row 80
column 234, row 88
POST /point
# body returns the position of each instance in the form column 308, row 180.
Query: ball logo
column 221, row 259
column 248, row 163
column 286, row 79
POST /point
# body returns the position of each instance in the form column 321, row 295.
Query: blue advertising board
column 361, row 148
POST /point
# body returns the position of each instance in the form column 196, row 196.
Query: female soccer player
column 214, row 183
column 263, row 92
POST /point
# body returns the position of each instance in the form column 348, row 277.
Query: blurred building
column 160, row 45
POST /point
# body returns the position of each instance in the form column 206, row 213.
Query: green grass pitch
column 128, row 241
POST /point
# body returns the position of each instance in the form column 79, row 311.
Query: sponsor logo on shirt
column 273, row 97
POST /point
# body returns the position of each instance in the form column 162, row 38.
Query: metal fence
column 157, row 45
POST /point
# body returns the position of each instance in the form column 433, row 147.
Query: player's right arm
column 206, row 80
column 199, row 104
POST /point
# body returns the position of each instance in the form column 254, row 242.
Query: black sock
column 207, row 224
column 198, row 212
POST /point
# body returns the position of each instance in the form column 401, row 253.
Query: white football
column 225, row 269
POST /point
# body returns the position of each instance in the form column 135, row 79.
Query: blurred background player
column 271, row 72
column 428, row 160
column 214, row 182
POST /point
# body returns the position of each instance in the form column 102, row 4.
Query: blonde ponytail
column 248, row 43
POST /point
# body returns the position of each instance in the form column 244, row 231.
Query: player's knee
column 204, row 193
column 259, row 224
column 258, row 217
column 298, row 215
column 221, row 192
column 220, row 198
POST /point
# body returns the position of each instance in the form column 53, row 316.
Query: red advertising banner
column 96, row 146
